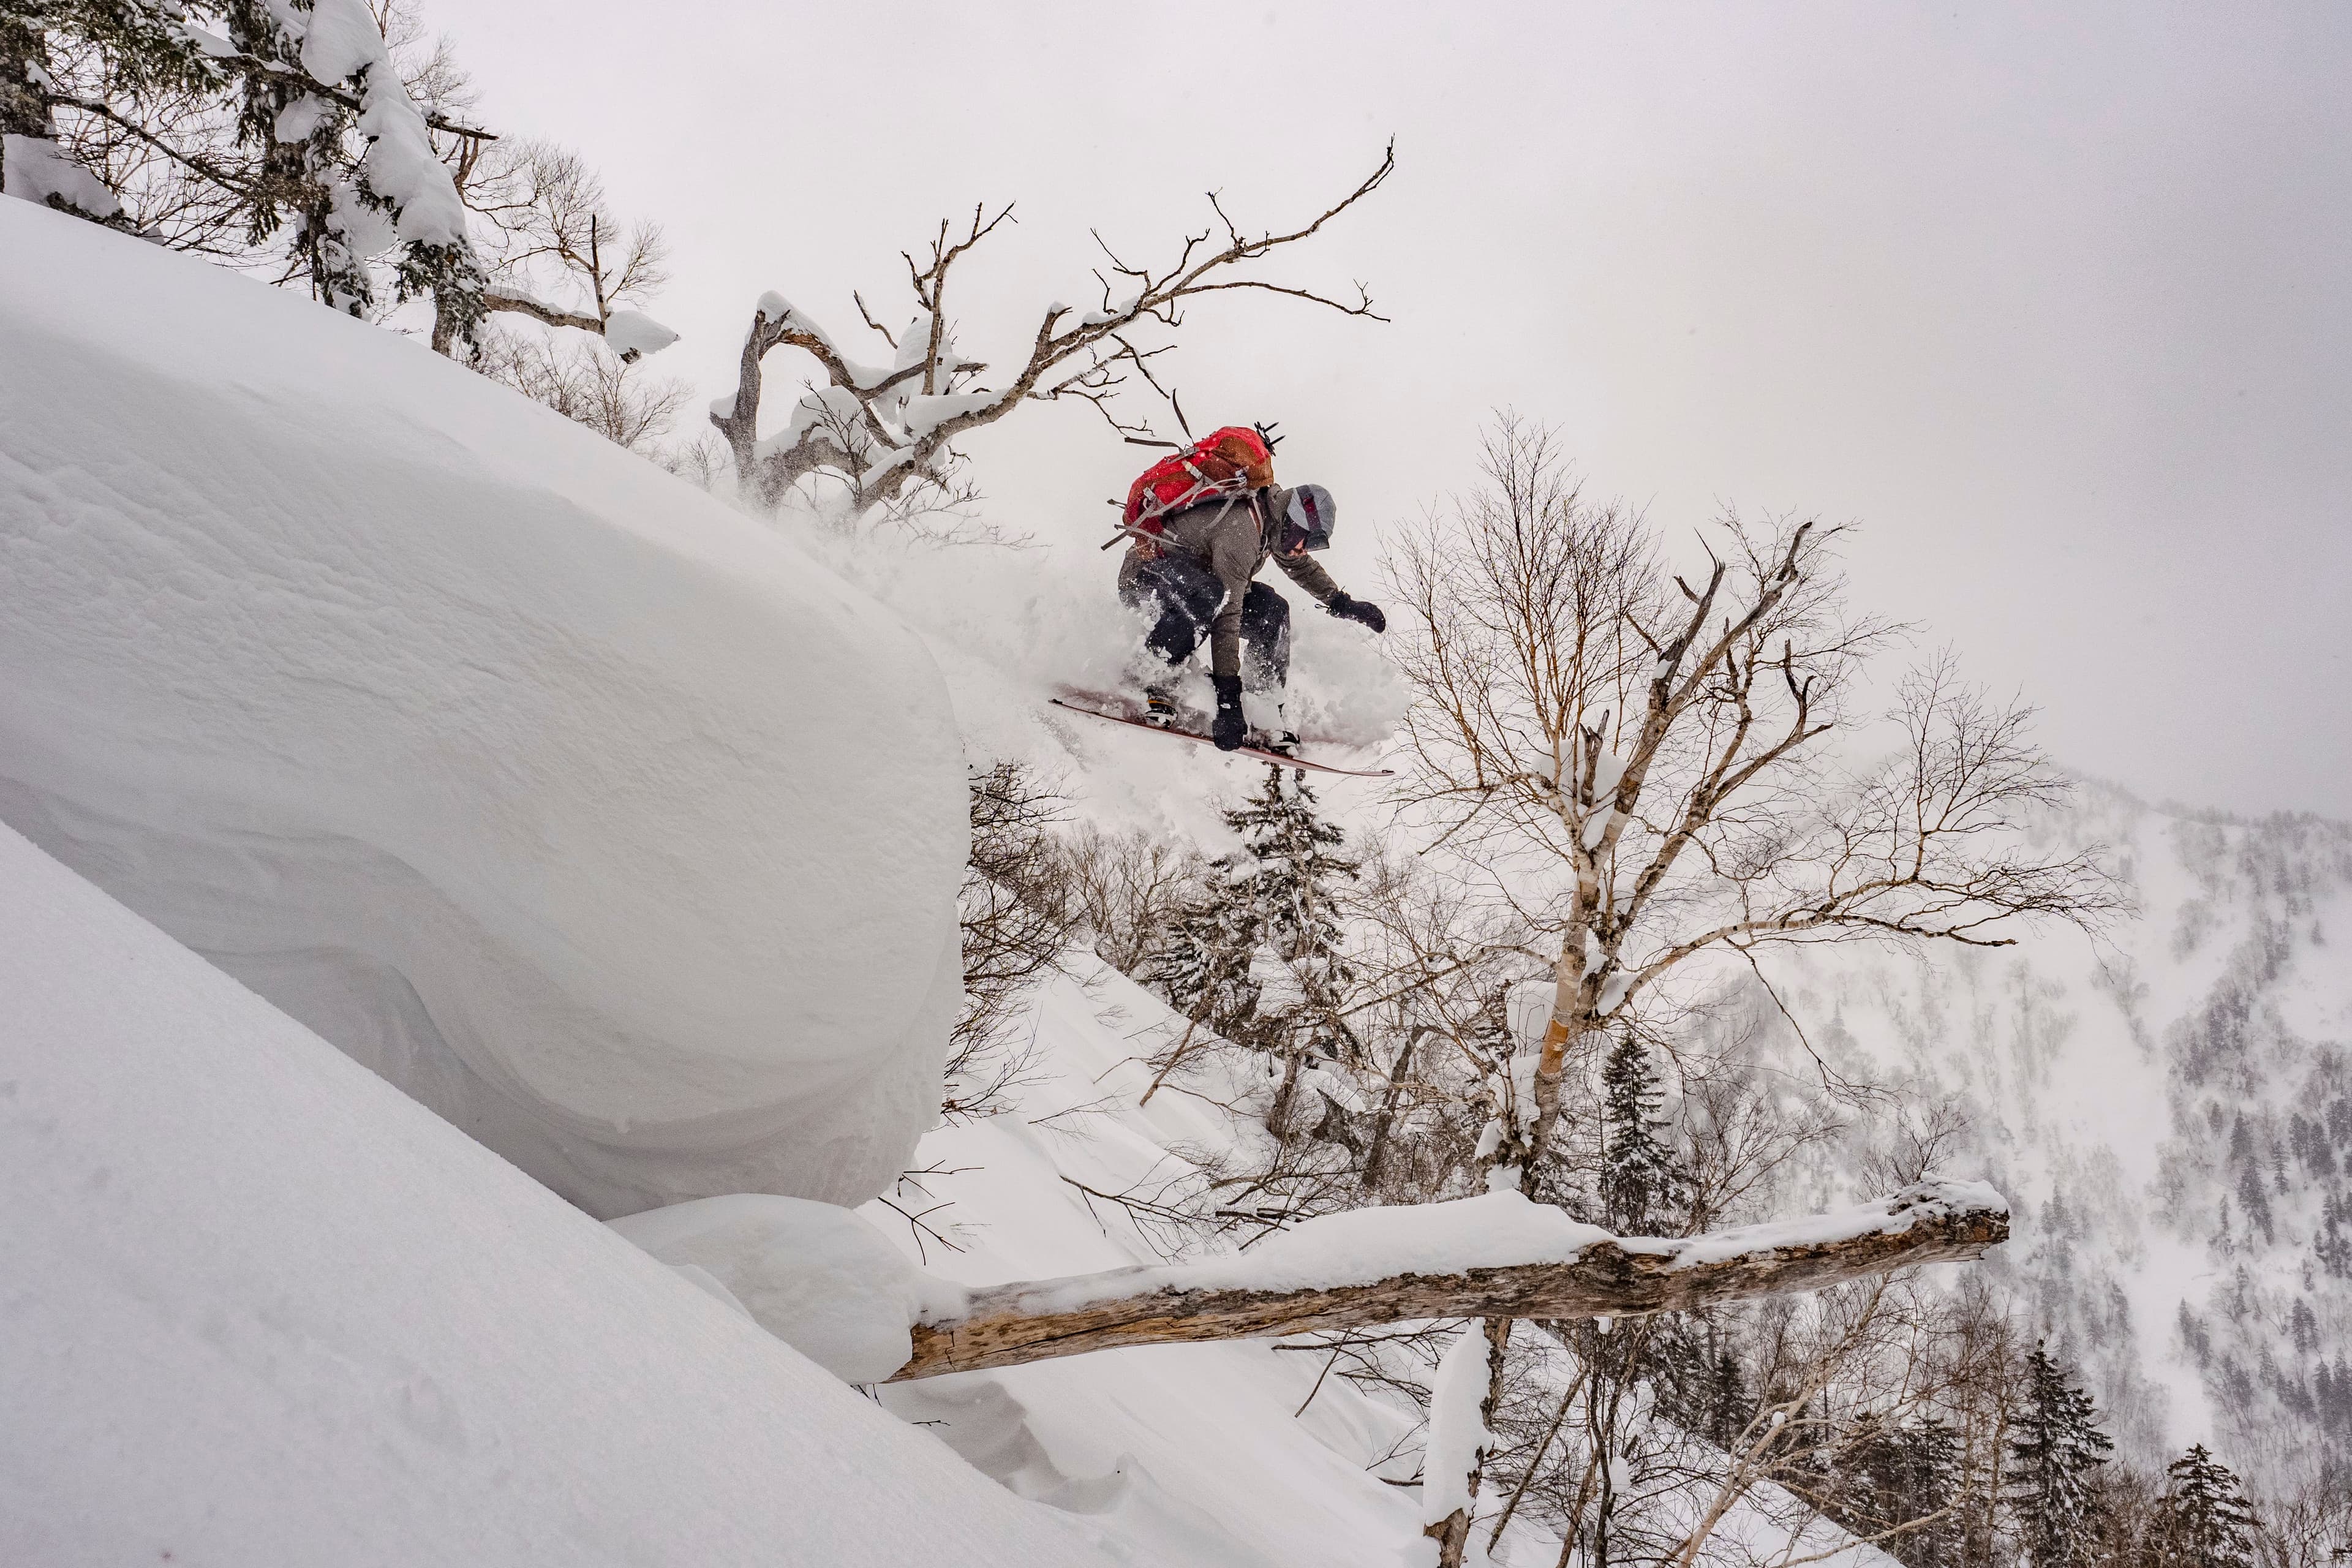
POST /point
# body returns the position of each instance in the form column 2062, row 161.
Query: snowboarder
column 1202, row 524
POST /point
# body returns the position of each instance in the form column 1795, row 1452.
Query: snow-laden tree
column 286, row 125
column 1258, row 955
column 1289, row 871
column 1642, row 1177
column 872, row 431
column 2054, row 1456
column 326, row 143
column 2202, row 1519
column 1204, row 960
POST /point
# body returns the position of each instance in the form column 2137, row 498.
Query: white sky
column 2053, row 301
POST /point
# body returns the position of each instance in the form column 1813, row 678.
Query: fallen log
column 1494, row 1255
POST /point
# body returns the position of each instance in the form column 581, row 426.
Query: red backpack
column 1226, row 462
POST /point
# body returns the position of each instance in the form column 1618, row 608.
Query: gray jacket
column 1233, row 542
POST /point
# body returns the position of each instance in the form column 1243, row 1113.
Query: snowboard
column 1119, row 710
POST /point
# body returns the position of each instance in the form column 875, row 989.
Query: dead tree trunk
column 1007, row 1325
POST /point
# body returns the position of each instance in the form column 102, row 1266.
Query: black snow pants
column 1186, row 596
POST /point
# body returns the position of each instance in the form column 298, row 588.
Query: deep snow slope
column 599, row 818
column 258, row 1308
column 1211, row 1454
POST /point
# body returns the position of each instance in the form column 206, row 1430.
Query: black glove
column 1348, row 609
column 1230, row 728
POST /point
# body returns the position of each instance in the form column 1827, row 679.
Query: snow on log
column 1498, row 1255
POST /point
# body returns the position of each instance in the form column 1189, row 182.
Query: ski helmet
column 1309, row 518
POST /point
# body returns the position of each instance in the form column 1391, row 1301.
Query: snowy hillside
column 261, row 1308
column 623, row 831
column 2167, row 1103
column 2169, row 1107
column 593, row 814
column 1246, row 1455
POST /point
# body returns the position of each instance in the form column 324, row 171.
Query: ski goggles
column 1306, row 524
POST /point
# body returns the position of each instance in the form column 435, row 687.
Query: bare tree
column 550, row 232
column 586, row 383
column 878, row 429
column 1128, row 885
column 2310, row 1528
column 1643, row 769
column 1017, row 923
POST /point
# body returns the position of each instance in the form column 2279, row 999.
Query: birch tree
column 1641, row 763
column 1645, row 768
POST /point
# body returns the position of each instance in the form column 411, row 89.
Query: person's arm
column 1309, row 573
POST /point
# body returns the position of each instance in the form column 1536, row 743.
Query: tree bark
column 1008, row 1325
column 24, row 61
column 1386, row 1118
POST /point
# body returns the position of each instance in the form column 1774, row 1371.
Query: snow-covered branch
column 880, row 429
column 1498, row 1255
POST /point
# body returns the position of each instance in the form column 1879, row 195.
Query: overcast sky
column 2051, row 302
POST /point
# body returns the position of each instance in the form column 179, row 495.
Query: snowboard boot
column 1280, row 739
column 1159, row 706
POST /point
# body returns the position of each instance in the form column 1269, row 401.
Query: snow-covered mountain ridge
column 2169, row 1106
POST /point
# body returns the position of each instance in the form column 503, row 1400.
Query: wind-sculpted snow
column 821, row 1278
column 580, row 807
column 262, row 1311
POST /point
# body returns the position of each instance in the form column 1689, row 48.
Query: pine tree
column 1288, row 871
column 2203, row 1518
column 2053, row 1459
column 1898, row 1474
column 1203, row 962
column 1259, row 956
column 1643, row 1181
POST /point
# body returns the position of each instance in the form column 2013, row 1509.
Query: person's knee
column 1263, row 607
column 1174, row 637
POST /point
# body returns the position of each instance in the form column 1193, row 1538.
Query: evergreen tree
column 1287, row 870
column 1267, row 912
column 1258, row 956
column 1643, row 1181
column 1204, row 963
column 2052, row 1461
column 1894, row 1475
column 2203, row 1518
column 1700, row 1384
column 329, row 158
